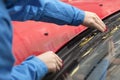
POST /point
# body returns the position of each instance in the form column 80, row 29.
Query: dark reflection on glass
column 103, row 62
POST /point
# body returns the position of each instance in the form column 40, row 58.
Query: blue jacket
column 53, row 11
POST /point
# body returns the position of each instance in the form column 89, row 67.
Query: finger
column 57, row 67
column 98, row 22
column 101, row 22
column 58, row 58
column 53, row 68
column 98, row 26
column 60, row 64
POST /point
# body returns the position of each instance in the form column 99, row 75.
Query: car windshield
column 92, row 55
column 103, row 60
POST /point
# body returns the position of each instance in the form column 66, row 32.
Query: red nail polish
column 106, row 29
column 62, row 66
column 62, row 62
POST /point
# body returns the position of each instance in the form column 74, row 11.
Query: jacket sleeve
column 53, row 11
column 31, row 69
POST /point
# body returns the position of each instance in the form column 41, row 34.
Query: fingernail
column 106, row 29
column 62, row 66
column 62, row 62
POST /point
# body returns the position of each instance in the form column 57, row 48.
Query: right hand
column 92, row 20
column 53, row 62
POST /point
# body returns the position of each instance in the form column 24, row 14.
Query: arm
column 31, row 69
column 53, row 11
column 35, row 68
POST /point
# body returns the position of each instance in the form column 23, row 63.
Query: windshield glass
column 103, row 60
column 94, row 56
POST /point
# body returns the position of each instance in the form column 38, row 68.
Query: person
column 52, row 11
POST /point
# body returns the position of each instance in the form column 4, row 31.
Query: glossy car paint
column 34, row 38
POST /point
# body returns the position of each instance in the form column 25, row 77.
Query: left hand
column 52, row 61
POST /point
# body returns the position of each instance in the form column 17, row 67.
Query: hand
column 53, row 62
column 92, row 20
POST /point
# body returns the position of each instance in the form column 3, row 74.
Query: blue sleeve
column 31, row 69
column 53, row 11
